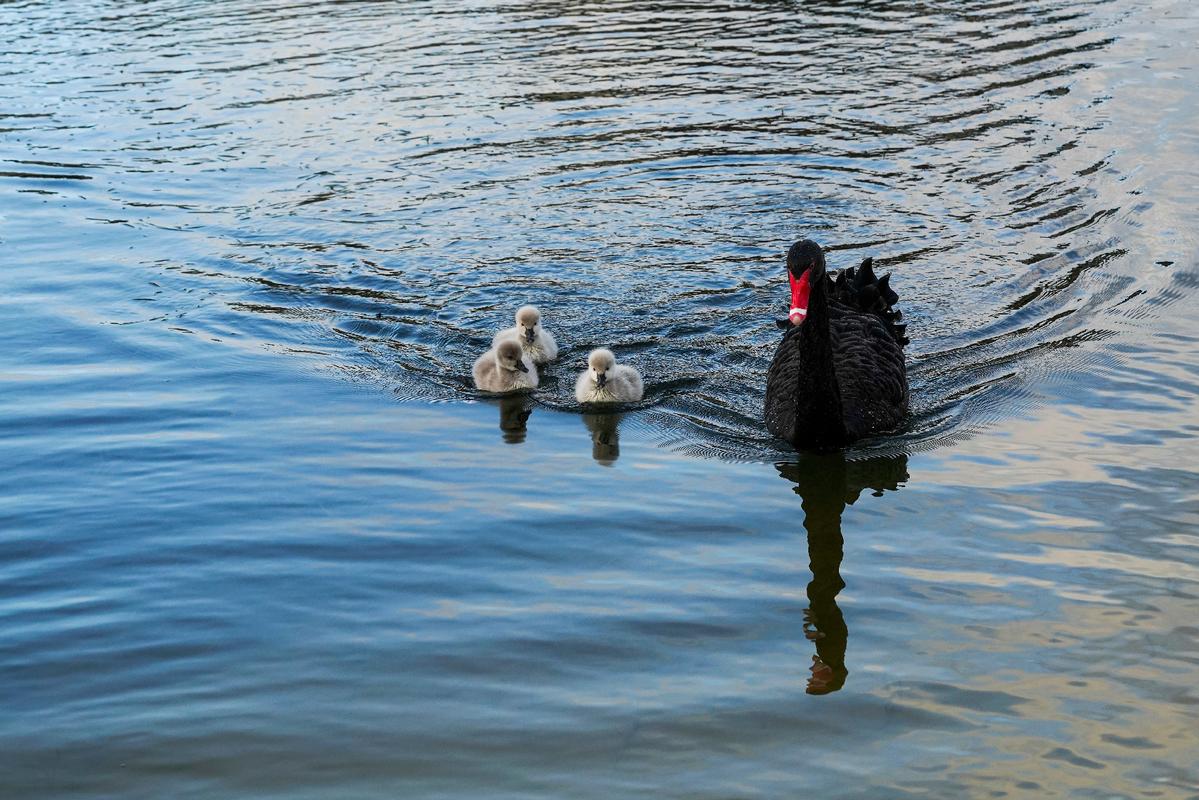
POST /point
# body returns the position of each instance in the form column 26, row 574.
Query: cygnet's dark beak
column 529, row 334
column 520, row 365
column 600, row 379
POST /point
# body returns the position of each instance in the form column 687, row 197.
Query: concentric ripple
column 374, row 188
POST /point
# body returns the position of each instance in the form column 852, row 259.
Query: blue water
column 260, row 538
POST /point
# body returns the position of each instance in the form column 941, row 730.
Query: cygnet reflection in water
column 827, row 483
column 605, row 437
column 514, row 417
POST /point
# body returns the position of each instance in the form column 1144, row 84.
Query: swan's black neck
column 819, row 415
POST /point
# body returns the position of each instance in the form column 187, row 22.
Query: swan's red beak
column 800, row 289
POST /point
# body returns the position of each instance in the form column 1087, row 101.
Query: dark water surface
column 260, row 538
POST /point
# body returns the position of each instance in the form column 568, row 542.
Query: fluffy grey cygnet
column 605, row 381
column 504, row 368
column 535, row 340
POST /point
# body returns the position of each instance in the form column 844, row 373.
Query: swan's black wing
column 783, row 385
column 870, row 371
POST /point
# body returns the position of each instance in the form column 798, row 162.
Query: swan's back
column 487, row 373
column 633, row 389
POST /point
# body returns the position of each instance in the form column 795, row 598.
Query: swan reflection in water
column 514, row 417
column 605, row 437
column 827, row 483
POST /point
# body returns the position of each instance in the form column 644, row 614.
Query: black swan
column 838, row 374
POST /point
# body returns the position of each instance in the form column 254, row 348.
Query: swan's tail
column 861, row 289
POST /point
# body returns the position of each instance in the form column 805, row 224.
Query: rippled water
column 260, row 538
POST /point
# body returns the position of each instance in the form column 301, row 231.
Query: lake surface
column 260, row 538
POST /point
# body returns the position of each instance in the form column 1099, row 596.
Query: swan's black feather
column 865, row 275
column 884, row 288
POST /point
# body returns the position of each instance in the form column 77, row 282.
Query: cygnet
column 504, row 368
column 605, row 381
column 535, row 340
